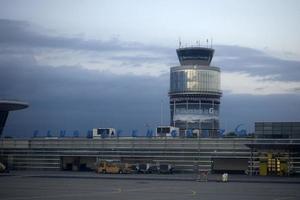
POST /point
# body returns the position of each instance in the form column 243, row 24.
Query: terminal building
column 277, row 145
column 195, row 92
column 253, row 156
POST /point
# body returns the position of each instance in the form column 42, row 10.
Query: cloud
column 20, row 34
column 246, row 109
column 116, row 56
column 73, row 98
column 120, row 56
column 76, row 84
column 244, row 83
column 255, row 63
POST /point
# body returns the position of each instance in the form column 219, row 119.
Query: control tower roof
column 195, row 55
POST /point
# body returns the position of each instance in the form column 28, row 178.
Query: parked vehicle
column 167, row 131
column 153, row 169
column 104, row 132
column 112, row 167
column 2, row 168
column 143, row 168
column 133, row 168
column 166, row 168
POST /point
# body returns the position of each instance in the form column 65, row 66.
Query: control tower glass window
column 195, row 55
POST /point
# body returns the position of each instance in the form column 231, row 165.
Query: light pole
column 161, row 112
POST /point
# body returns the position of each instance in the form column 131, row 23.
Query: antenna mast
column 179, row 41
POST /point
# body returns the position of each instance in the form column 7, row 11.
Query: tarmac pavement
column 24, row 185
column 162, row 177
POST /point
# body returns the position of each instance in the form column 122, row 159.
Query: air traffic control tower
column 195, row 93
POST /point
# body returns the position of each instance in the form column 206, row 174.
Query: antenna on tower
column 179, row 41
column 211, row 41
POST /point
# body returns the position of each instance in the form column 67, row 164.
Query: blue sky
column 52, row 53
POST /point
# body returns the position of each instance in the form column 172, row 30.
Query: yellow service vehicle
column 273, row 164
column 112, row 167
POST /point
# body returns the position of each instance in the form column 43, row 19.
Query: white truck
column 167, row 131
column 104, row 132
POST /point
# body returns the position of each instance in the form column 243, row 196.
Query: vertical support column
column 187, row 109
column 3, row 118
column 251, row 162
column 289, row 163
column 10, row 162
column 174, row 112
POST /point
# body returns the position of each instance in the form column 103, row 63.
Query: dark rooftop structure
column 5, row 107
column 277, row 129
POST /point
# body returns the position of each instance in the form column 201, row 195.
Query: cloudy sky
column 85, row 64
